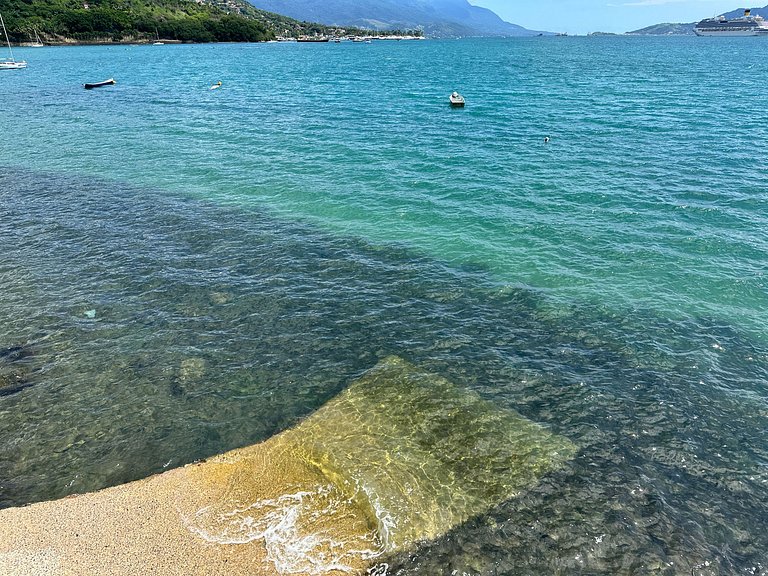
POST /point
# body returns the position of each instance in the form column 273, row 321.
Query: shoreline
column 304, row 501
column 151, row 42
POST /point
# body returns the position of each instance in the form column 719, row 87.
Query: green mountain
column 666, row 29
column 71, row 21
column 434, row 17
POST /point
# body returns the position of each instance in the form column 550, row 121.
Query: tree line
column 127, row 20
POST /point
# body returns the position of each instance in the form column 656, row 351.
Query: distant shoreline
column 117, row 43
column 145, row 42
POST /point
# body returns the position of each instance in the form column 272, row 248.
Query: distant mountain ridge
column 740, row 12
column 670, row 29
column 434, row 17
column 666, row 29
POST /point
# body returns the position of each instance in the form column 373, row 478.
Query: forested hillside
column 63, row 21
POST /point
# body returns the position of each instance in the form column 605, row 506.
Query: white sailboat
column 10, row 63
column 37, row 43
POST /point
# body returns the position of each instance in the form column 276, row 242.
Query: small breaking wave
column 299, row 531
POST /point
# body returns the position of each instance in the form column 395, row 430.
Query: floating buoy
column 546, row 139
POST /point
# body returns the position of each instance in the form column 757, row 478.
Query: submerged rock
column 14, row 376
column 410, row 451
column 191, row 369
column 13, row 382
column 15, row 353
column 220, row 298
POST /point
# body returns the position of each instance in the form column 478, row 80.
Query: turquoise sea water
column 184, row 271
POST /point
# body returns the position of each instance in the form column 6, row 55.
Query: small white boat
column 456, row 100
column 10, row 63
column 37, row 43
column 216, row 86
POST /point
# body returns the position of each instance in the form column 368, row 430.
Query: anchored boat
column 456, row 100
column 37, row 43
column 91, row 85
column 10, row 63
column 313, row 39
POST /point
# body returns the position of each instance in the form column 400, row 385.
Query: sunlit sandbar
column 400, row 456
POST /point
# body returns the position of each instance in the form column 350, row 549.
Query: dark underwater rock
column 12, row 382
column 14, row 377
column 14, row 353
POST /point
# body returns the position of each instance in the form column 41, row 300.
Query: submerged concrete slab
column 400, row 456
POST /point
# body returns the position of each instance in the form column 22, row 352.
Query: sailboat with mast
column 10, row 63
column 37, row 43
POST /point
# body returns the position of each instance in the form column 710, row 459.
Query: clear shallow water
column 245, row 253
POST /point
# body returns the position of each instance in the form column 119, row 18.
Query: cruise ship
column 747, row 25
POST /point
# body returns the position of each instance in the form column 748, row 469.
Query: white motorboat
column 10, row 63
column 456, row 100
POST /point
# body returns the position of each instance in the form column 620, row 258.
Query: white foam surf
column 297, row 531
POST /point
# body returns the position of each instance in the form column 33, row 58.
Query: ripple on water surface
column 152, row 330
column 360, row 141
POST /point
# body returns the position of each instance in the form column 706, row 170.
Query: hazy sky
column 583, row 16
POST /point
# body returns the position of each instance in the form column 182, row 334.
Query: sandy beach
column 147, row 526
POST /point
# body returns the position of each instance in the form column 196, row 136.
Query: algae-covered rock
column 14, row 373
column 401, row 455
column 191, row 369
column 422, row 453
column 12, row 382
column 14, row 353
